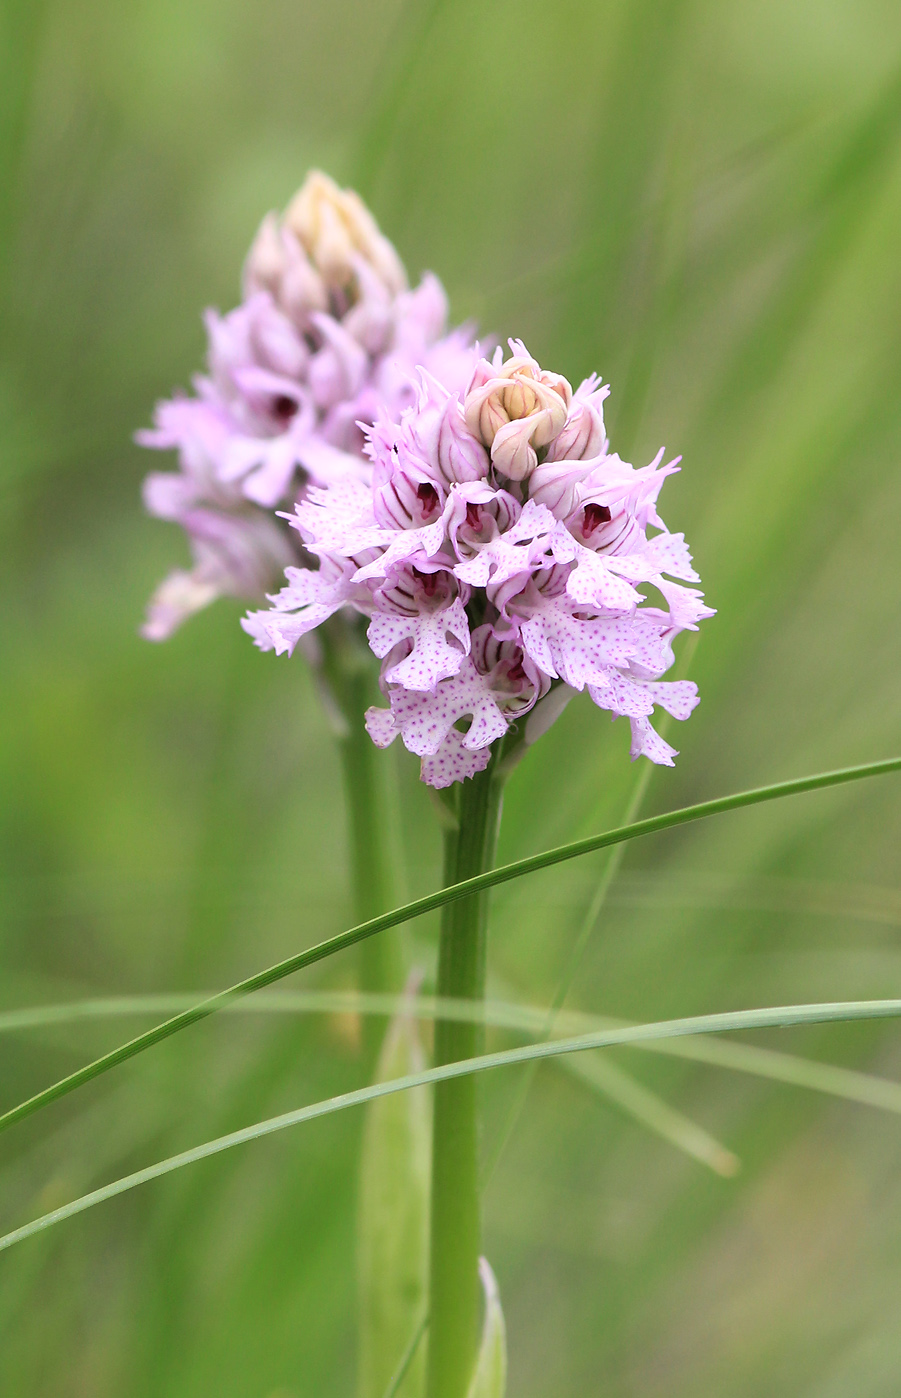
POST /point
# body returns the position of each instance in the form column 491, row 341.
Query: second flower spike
column 328, row 334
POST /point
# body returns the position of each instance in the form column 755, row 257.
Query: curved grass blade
column 782, row 1017
column 605, row 1077
column 847, row 1083
column 651, row 825
column 428, row 903
column 764, row 893
column 632, row 1097
column 790, row 1068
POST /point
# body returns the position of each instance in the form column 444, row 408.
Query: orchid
column 325, row 339
column 462, row 1065
column 465, row 514
column 497, row 550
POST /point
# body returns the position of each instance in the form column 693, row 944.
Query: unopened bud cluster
column 327, row 334
column 326, row 245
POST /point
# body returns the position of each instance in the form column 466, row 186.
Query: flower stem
column 455, row 1223
column 347, row 670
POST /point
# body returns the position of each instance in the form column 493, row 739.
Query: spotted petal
column 535, row 537
column 453, row 762
column 593, row 583
column 578, row 651
column 440, row 643
column 307, row 601
column 424, row 720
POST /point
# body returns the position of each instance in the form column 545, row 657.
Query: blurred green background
column 702, row 200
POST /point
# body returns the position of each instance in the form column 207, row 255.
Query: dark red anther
column 594, row 517
column 473, row 516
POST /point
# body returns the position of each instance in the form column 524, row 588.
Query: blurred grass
column 702, row 201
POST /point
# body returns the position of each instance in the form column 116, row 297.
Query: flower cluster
column 497, row 551
column 328, row 333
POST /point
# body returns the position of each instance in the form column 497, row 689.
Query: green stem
column 347, row 668
column 455, row 1217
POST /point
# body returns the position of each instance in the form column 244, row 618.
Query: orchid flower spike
column 328, row 334
column 497, row 550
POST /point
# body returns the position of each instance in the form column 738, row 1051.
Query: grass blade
column 782, row 1017
column 412, row 31
column 847, row 1083
column 605, row 1077
column 409, row 1355
column 653, row 824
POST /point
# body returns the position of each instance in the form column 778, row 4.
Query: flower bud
column 582, row 437
column 421, row 428
column 556, row 485
column 515, row 408
column 371, row 319
column 461, row 456
column 422, row 313
column 302, row 291
column 512, row 453
column 278, row 264
column 278, row 344
column 483, row 410
column 338, row 369
column 334, row 226
column 265, row 265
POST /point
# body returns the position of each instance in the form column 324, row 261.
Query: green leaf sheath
column 783, row 1017
column 428, row 904
column 393, row 1218
column 490, row 1377
column 454, row 1299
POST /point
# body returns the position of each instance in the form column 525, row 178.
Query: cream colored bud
column 483, row 410
column 335, row 228
column 559, row 385
column 519, row 393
